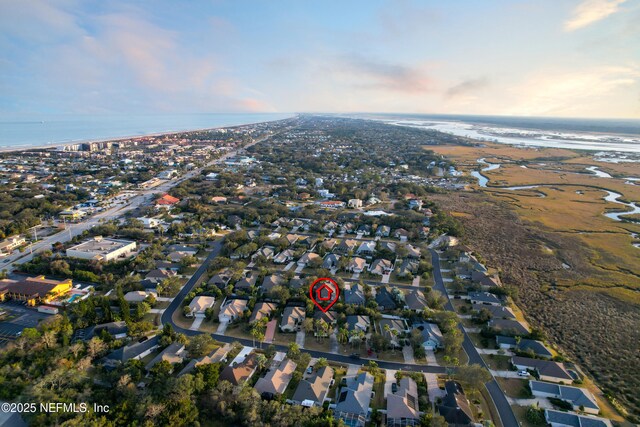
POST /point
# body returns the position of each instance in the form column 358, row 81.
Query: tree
column 200, row 345
column 210, row 373
column 452, row 342
column 473, row 376
column 321, row 363
column 431, row 419
column 261, row 361
column 95, row 346
column 373, row 367
column 294, row 351
column 343, row 335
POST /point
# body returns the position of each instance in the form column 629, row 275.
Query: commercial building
column 102, row 249
column 34, row 290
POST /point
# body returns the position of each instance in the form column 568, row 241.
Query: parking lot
column 18, row 317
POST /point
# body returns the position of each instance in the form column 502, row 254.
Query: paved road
column 499, row 399
column 74, row 229
column 191, row 283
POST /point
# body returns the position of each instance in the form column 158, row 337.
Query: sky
column 561, row 58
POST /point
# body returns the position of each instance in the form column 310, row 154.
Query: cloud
column 382, row 75
column 591, row 11
column 576, row 93
column 467, row 86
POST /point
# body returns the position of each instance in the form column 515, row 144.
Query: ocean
column 22, row 131
column 601, row 135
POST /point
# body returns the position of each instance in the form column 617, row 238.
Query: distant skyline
column 572, row 58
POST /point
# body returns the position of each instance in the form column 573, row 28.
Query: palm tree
column 387, row 331
column 261, row 361
column 343, row 335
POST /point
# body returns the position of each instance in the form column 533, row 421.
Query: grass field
column 576, row 271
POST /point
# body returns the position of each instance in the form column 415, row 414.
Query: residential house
column 385, row 299
column 308, row 258
column 397, row 327
column 497, row 311
column 567, row 419
column 240, row 372
column 265, row 251
column 261, row 310
column 135, row 351
column 247, row 282
column 270, row 282
column 364, row 229
column 485, row 298
column 217, row 355
column 415, row 300
column 383, row 231
column 455, row 407
column 232, row 309
column 331, row 261
column 313, row 390
column 284, row 257
column 292, row 318
column 199, row 306
column 173, row 353
column 356, row 265
column 353, row 402
column 277, row 379
column 345, row 247
column 389, row 247
column 413, row 252
column 431, row 336
column 159, row 274
column 358, row 323
column 354, row 203
column 354, row 295
column 408, row 267
column 329, row 244
column 508, row 327
column 329, row 317
column 381, row 267
column 138, row 296
column 524, row 345
column 580, row 399
column 402, row 406
column 547, row 370
column 117, row 330
column 367, row 249
column 221, row 279
column 401, row 234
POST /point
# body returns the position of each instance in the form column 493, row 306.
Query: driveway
column 506, row 374
column 300, row 338
column 390, row 379
column 299, row 269
column 196, row 323
column 416, row 281
column 407, row 352
column 431, row 358
column 333, row 339
column 352, row 370
column 222, row 328
column 434, row 391
column 289, row 266
column 386, row 278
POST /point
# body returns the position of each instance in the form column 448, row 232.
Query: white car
column 523, row 374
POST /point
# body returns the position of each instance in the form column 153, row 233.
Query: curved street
column 505, row 412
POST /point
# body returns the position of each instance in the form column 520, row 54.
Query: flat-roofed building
column 102, row 249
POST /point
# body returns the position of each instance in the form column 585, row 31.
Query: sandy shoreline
column 55, row 145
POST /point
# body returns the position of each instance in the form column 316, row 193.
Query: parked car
column 523, row 374
column 394, row 387
column 310, row 370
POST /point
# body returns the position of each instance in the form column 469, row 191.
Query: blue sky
column 542, row 58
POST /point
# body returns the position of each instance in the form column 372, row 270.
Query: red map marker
column 324, row 292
